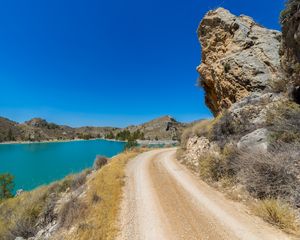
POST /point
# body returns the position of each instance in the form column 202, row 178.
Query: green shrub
column 110, row 135
column 132, row 143
column 6, row 185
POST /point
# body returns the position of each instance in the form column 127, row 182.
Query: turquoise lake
column 35, row 164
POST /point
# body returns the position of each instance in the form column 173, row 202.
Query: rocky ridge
column 37, row 129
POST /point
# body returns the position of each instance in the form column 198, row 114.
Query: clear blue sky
column 107, row 62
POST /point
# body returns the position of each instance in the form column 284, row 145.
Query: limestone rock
column 195, row 148
column 19, row 192
column 238, row 57
column 256, row 140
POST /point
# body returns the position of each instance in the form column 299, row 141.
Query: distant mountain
column 38, row 129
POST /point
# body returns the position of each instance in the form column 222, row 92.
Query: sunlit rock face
column 239, row 57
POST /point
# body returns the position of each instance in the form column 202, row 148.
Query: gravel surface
column 163, row 200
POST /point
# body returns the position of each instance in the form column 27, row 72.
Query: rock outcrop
column 196, row 147
column 238, row 57
column 163, row 128
column 240, row 64
column 290, row 47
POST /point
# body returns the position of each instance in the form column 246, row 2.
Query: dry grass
column 103, row 200
column 278, row 213
column 202, row 128
column 23, row 215
column 19, row 215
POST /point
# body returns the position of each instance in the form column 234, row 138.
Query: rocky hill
column 163, row 128
column 250, row 75
column 37, row 129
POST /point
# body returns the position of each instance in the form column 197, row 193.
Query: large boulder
column 239, row 57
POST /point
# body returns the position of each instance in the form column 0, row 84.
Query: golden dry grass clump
column 278, row 213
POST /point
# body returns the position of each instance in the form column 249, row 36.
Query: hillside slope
column 37, row 129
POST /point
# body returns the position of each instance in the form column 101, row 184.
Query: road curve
column 164, row 201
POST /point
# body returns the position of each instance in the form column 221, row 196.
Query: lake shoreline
column 34, row 164
column 58, row 141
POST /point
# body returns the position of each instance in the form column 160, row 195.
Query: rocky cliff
column 238, row 57
column 290, row 47
column 246, row 72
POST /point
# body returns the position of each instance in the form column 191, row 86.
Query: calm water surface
column 35, row 164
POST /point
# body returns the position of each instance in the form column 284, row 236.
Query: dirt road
column 163, row 200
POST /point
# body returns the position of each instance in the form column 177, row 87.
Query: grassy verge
column 101, row 202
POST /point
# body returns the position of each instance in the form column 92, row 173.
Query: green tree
column 132, row 143
column 138, row 135
column 110, row 135
column 10, row 136
column 6, row 185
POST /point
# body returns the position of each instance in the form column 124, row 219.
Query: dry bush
column 96, row 198
column 99, row 162
column 70, row 212
column 19, row 215
column 279, row 85
column 272, row 174
column 24, row 215
column 212, row 167
column 278, row 213
column 179, row 153
column 218, row 166
column 283, row 122
column 201, row 128
column 78, row 180
column 228, row 128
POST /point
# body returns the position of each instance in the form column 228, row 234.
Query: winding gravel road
column 163, row 200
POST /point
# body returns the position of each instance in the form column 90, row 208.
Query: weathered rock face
column 238, row 57
column 290, row 47
column 195, row 148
